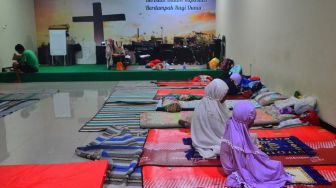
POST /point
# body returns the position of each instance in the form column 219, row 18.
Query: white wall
column 19, row 17
column 291, row 44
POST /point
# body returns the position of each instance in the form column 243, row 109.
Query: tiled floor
column 47, row 132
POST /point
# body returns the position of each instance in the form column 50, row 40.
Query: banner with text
column 92, row 22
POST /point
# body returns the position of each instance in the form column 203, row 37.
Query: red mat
column 83, row 174
column 181, row 83
column 167, row 177
column 164, row 147
column 200, row 92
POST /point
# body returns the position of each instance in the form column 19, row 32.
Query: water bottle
column 164, row 64
column 184, row 66
column 167, row 66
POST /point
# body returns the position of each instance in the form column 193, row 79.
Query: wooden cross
column 98, row 19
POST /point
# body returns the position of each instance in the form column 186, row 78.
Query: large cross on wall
column 98, row 19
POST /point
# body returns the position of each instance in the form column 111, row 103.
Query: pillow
column 269, row 98
column 308, row 103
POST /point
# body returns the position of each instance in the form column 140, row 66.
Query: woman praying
column 242, row 161
column 209, row 120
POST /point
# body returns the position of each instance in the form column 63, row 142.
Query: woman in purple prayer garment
column 242, row 161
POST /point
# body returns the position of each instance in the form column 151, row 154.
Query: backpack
column 226, row 64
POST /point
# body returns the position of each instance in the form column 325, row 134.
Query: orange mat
column 165, row 147
column 83, row 175
column 200, row 92
column 181, row 83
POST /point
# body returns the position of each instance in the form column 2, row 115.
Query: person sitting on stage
column 209, row 120
column 114, row 53
column 242, row 161
column 109, row 52
column 234, row 84
column 24, row 62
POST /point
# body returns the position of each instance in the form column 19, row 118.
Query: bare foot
column 184, row 123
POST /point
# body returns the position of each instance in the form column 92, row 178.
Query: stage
column 100, row 73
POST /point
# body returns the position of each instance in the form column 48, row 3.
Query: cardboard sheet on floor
column 164, row 147
column 82, row 174
column 154, row 176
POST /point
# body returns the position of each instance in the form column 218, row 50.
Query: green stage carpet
column 100, row 73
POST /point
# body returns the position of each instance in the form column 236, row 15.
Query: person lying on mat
column 241, row 159
column 208, row 121
column 234, row 84
column 24, row 62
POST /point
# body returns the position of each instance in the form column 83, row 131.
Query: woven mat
column 12, row 102
column 8, row 107
column 27, row 95
column 122, row 149
column 116, row 113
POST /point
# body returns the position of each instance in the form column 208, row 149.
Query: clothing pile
column 176, row 102
column 290, row 111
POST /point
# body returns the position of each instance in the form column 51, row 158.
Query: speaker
column 216, row 47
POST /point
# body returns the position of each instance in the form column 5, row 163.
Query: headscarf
column 236, row 78
column 208, row 121
column 111, row 44
column 242, row 160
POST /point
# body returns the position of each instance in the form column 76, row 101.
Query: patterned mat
column 117, row 113
column 122, row 148
column 164, row 147
column 27, row 95
column 306, row 175
column 271, row 146
column 285, row 146
column 133, row 96
column 12, row 102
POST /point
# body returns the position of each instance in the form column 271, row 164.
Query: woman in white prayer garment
column 209, row 120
